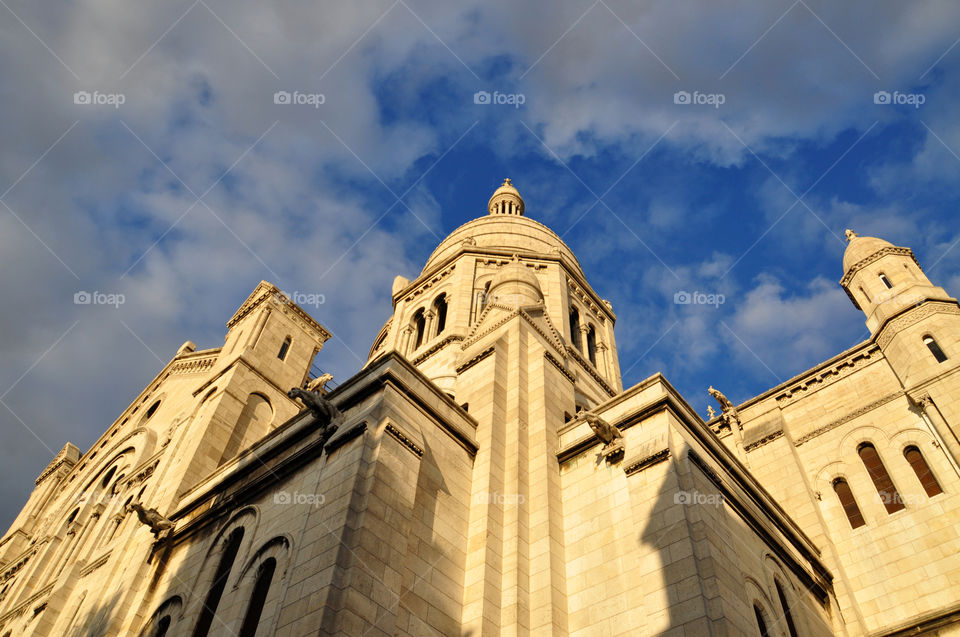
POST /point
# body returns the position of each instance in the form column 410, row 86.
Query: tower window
column 886, row 281
column 209, row 609
column 284, row 348
column 787, row 615
column 440, row 307
column 259, row 597
column 762, row 625
column 881, row 479
column 163, row 626
column 420, row 324
column 592, row 345
column 864, row 293
column 934, row 348
column 845, row 495
column 922, row 469
column 152, row 410
column 575, row 328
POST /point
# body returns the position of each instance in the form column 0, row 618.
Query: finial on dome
column 506, row 200
column 851, row 235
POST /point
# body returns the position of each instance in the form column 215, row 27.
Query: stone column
column 603, row 360
column 430, row 317
column 939, row 427
column 405, row 340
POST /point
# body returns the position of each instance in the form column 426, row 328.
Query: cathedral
column 486, row 473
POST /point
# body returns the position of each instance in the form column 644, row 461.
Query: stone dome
column 515, row 284
column 859, row 248
column 512, row 234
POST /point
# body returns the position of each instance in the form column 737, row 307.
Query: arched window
column 787, row 615
column 259, row 597
column 881, row 479
column 420, row 324
column 761, row 624
column 284, row 348
column 845, row 495
column 106, row 479
column 220, row 577
column 152, row 410
column 575, row 328
column 886, row 281
column 254, row 420
column 864, row 293
column 163, row 626
column 934, row 349
column 592, row 345
column 440, row 307
column 922, row 469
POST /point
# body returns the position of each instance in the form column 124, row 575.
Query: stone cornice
column 826, row 375
column 556, row 363
column 59, row 461
column 602, row 313
column 912, row 317
column 266, row 291
column 476, row 359
column 876, row 256
column 421, row 285
column 404, row 440
column 633, row 466
column 589, row 368
column 766, row 439
column 436, row 347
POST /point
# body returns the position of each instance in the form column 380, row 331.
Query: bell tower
column 915, row 323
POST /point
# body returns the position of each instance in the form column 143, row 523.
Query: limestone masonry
column 487, row 474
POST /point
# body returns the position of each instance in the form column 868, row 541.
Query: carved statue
column 730, row 414
column 152, row 518
column 326, row 413
column 711, row 412
column 606, row 433
column 319, row 384
column 851, row 235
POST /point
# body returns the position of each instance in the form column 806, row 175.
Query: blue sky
column 198, row 185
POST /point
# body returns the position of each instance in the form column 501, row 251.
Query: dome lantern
column 506, row 200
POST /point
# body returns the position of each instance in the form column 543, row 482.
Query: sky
column 160, row 161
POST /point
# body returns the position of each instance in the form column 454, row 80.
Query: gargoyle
column 152, row 518
column 319, row 384
column 730, row 414
column 327, row 415
column 606, row 433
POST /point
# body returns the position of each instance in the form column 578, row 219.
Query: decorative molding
column 585, row 299
column 426, row 285
column 759, row 443
column 60, row 461
column 847, row 418
column 911, row 317
column 100, row 561
column 436, row 347
column 876, row 256
column 635, row 466
column 194, row 365
column 404, row 440
column 590, row 369
column 265, row 291
column 556, row 363
column 476, row 359
column 826, row 377
column 712, row 475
